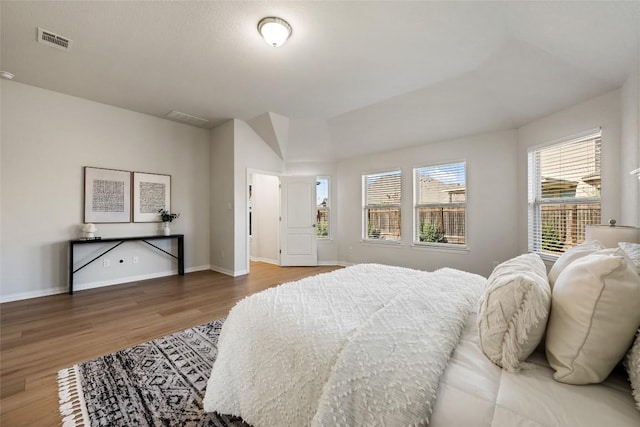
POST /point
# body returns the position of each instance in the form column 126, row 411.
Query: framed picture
column 107, row 195
column 151, row 192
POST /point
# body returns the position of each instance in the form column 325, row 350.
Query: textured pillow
column 513, row 311
column 633, row 252
column 595, row 312
column 632, row 363
column 571, row 255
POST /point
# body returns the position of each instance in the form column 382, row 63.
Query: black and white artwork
column 107, row 195
column 151, row 192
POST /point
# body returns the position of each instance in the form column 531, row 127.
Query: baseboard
column 266, row 260
column 197, row 268
column 97, row 284
column 119, row 281
column 129, row 279
column 228, row 272
column 346, row 264
column 33, row 294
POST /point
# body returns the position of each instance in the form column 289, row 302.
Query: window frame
column 535, row 201
column 417, row 206
column 326, row 208
column 365, row 208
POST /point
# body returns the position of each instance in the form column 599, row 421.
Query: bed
column 381, row 345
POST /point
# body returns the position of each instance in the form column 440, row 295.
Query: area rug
column 158, row 383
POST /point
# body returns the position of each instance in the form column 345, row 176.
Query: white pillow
column 513, row 311
column 595, row 312
column 571, row 255
column 632, row 363
column 633, row 252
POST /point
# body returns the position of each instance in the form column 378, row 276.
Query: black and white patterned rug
column 158, row 383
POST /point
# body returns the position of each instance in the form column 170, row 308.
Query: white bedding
column 475, row 392
column 357, row 348
column 365, row 345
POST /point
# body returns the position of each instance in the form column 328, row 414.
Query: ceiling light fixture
column 7, row 75
column 274, row 31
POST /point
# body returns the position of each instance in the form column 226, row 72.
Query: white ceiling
column 355, row 77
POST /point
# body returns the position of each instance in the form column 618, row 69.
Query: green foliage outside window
column 430, row 232
column 323, row 229
column 551, row 239
column 372, row 232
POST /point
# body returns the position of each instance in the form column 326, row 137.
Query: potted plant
column 166, row 218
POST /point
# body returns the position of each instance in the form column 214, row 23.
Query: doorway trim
column 251, row 171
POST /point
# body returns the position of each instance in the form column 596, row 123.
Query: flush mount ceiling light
column 274, row 31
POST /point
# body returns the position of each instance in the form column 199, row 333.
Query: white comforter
column 475, row 392
column 365, row 345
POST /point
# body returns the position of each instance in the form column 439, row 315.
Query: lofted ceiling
column 355, row 77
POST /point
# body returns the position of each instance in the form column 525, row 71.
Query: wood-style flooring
column 43, row 335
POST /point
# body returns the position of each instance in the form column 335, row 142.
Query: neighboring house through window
column 440, row 204
column 322, row 198
column 382, row 193
column 563, row 193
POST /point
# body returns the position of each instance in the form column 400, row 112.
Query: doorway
column 263, row 218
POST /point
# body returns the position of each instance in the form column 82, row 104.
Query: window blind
column 440, row 204
column 382, row 197
column 564, row 187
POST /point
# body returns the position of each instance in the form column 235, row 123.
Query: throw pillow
column 632, row 363
column 571, row 255
column 595, row 312
column 513, row 311
column 633, row 252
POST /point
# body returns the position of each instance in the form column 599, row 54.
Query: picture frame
column 107, row 195
column 151, row 192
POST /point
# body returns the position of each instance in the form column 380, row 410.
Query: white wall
column 630, row 148
column 266, row 223
column 491, row 207
column 47, row 138
column 222, row 198
column 602, row 111
column 327, row 248
column 309, row 141
column 250, row 152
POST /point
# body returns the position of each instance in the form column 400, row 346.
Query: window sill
column 389, row 243
column 441, row 248
column 548, row 259
column 325, row 240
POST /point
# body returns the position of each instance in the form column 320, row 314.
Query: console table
column 119, row 241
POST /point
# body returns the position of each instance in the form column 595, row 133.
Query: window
column 382, row 195
column 564, row 193
column 440, row 204
column 322, row 198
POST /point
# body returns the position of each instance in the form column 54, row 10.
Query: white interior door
column 298, row 225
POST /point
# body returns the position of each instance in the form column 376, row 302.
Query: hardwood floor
column 41, row 336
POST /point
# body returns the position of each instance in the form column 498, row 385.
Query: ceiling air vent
column 187, row 118
column 54, row 40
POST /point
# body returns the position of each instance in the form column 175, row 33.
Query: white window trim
column 534, row 243
column 378, row 242
column 329, row 236
column 441, row 247
column 416, row 243
column 364, row 235
column 569, row 139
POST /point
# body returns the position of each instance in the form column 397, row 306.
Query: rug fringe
column 72, row 405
